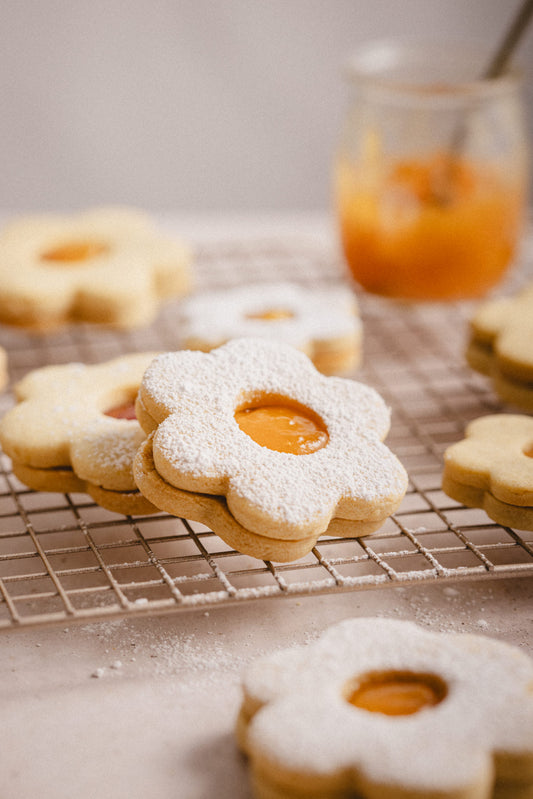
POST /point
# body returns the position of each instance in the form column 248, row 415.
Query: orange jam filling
column 271, row 315
column 430, row 228
column 124, row 411
column 529, row 451
column 74, row 252
column 283, row 428
column 397, row 693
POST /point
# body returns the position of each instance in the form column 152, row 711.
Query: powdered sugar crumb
column 450, row 592
column 97, row 673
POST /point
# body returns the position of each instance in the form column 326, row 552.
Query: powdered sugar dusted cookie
column 322, row 322
column 108, row 265
column 288, row 449
column 501, row 332
column 492, row 468
column 74, row 429
column 380, row 708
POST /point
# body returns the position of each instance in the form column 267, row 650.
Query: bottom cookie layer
column 513, row 391
column 64, row 481
column 264, row 789
column 213, row 511
column 482, row 358
column 503, row 513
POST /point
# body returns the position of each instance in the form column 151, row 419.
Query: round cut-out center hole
column 124, row 411
column 283, row 427
column 76, row 251
column 529, row 450
column 271, row 315
column 397, row 693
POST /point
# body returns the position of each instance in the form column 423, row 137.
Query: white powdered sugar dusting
column 105, row 452
column 307, row 313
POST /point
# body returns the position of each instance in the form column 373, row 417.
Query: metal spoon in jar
column 442, row 189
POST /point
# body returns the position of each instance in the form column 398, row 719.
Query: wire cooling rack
column 63, row 558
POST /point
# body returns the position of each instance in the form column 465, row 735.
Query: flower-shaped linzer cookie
column 74, row 430
column 492, row 468
column 321, row 321
column 253, row 421
column 381, row 708
column 108, row 265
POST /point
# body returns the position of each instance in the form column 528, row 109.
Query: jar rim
column 430, row 70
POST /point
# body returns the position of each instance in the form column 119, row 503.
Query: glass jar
column 431, row 172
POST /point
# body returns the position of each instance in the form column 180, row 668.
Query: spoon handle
column 510, row 40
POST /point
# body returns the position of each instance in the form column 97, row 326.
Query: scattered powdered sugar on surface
column 460, row 609
column 106, row 671
column 307, row 726
column 104, row 629
column 199, row 446
column 200, row 657
column 200, row 660
column 316, row 314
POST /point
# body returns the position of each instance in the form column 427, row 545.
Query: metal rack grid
column 63, row 558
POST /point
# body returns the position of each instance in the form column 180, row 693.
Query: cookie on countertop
column 492, row 468
column 500, row 346
column 384, row 709
column 108, row 265
column 251, row 440
column 74, row 429
column 323, row 321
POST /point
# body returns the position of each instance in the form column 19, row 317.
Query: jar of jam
column 431, row 172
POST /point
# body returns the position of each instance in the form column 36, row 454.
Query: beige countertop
column 137, row 707
column 144, row 706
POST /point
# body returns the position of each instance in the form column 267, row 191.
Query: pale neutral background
column 194, row 105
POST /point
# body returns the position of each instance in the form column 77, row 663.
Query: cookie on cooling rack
column 383, row 709
column 251, row 440
column 108, row 266
column 323, row 322
column 501, row 332
column 74, row 430
column 492, row 468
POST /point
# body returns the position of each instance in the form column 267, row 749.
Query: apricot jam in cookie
column 108, row 265
column 492, row 468
column 323, row 322
column 74, row 429
column 286, row 450
column 383, row 709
